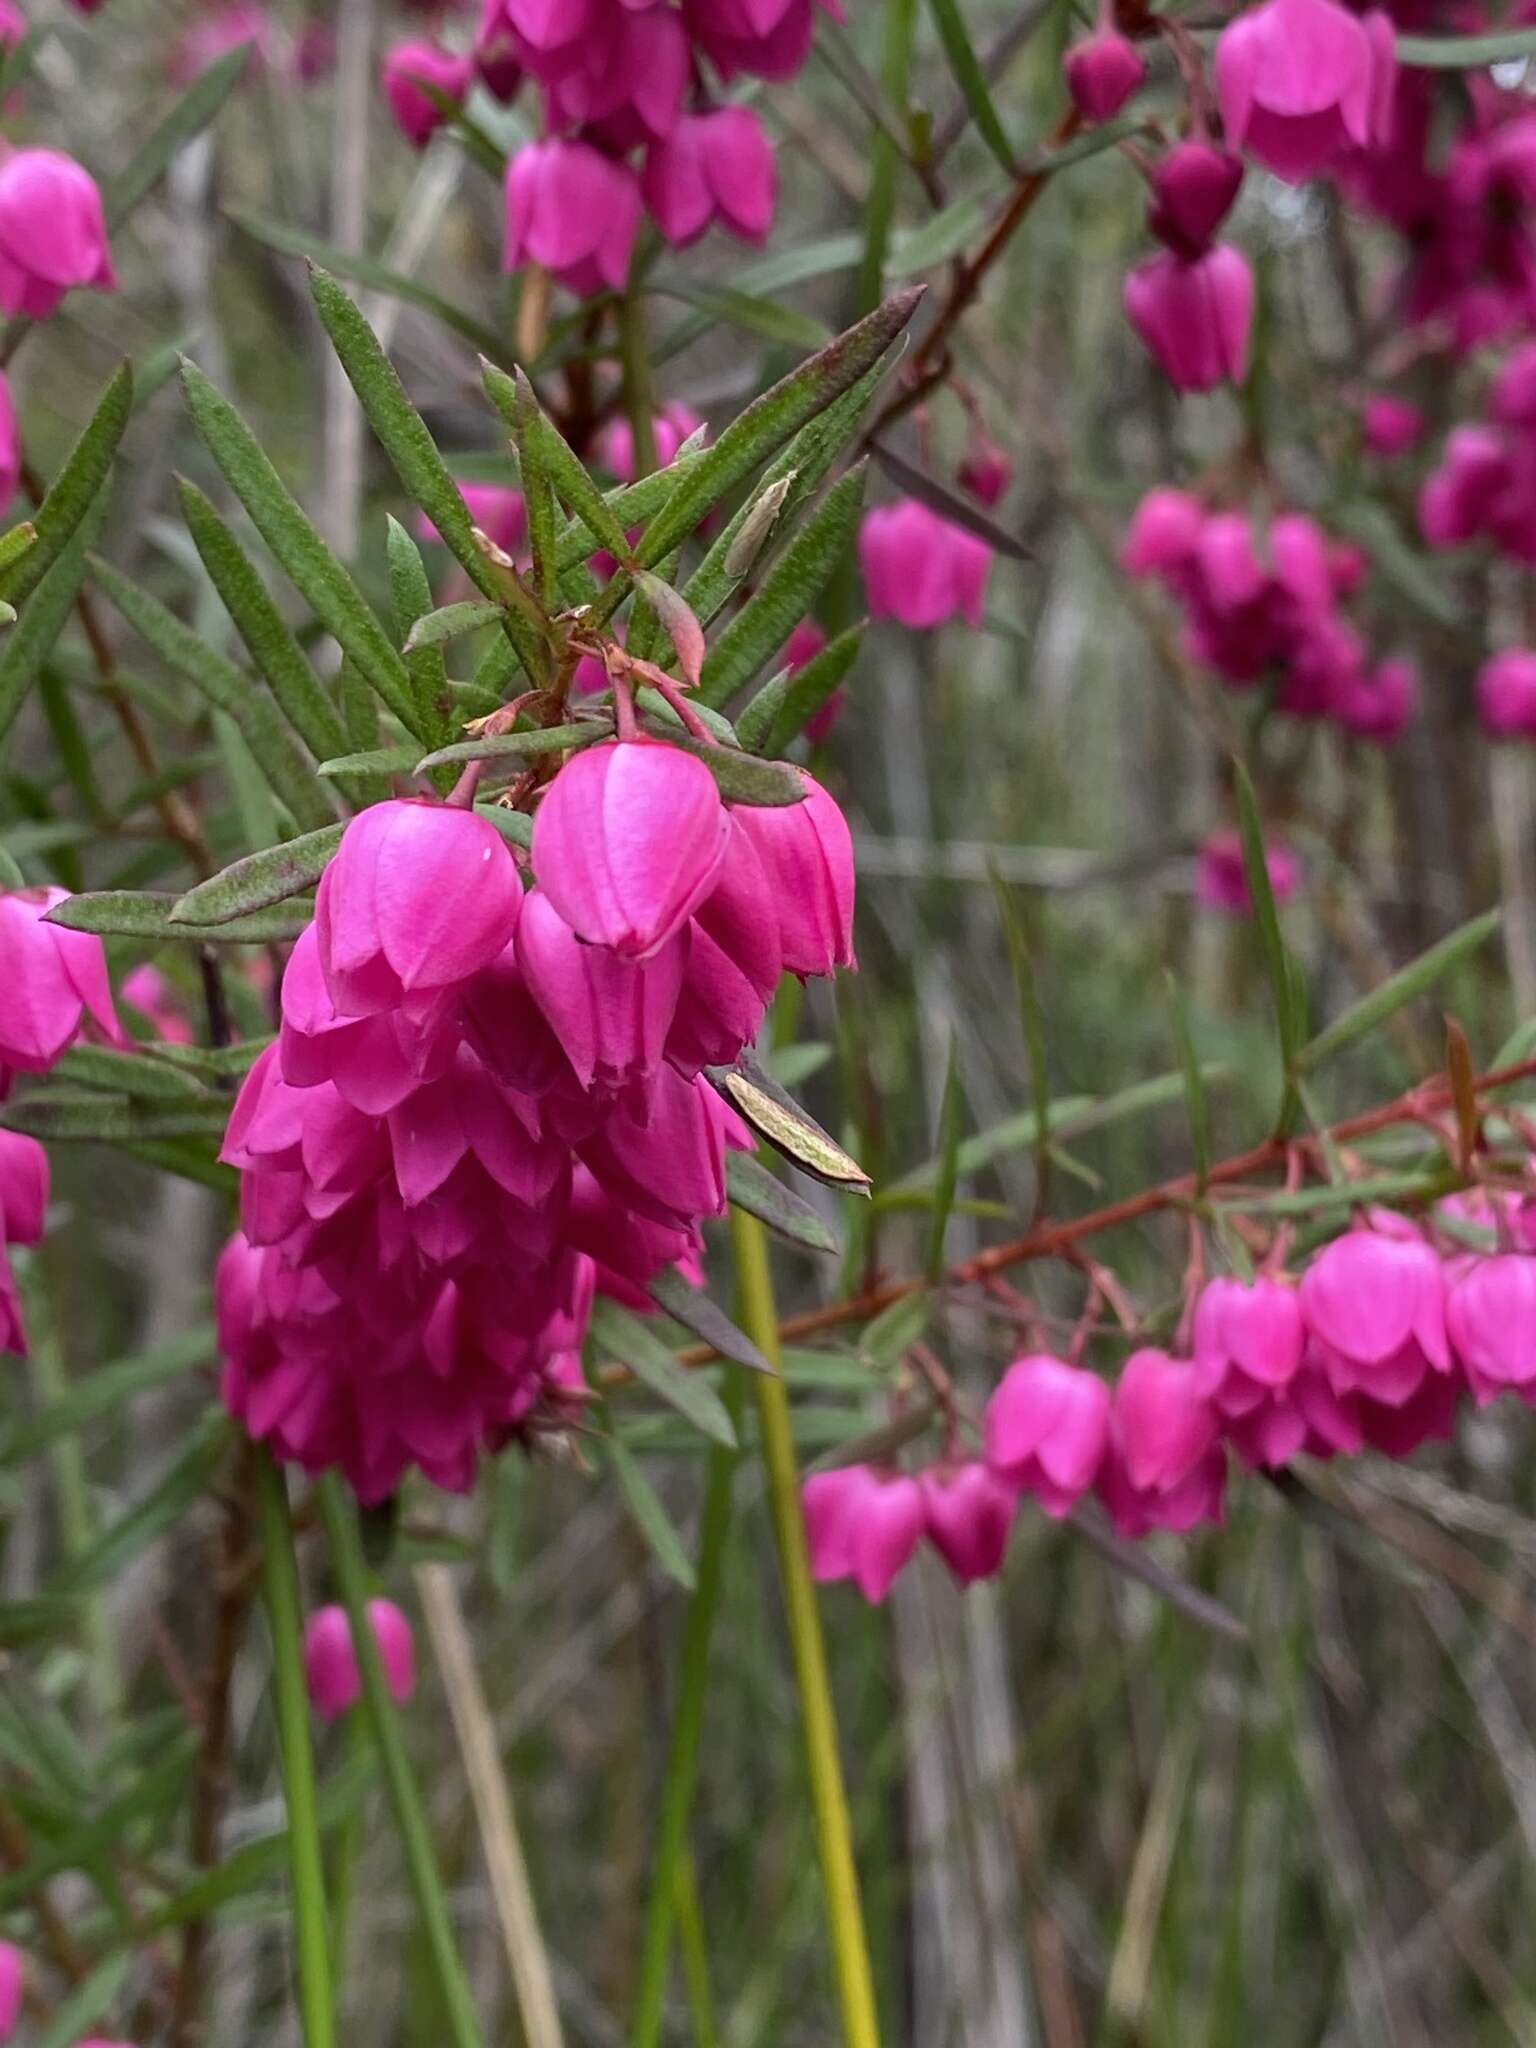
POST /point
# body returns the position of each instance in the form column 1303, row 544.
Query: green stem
column 639, row 393
column 884, row 158
column 683, row 1756
column 384, row 1725
column 280, row 1587
column 829, row 1797
column 695, row 1953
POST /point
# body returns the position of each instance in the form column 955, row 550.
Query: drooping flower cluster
column 1266, row 605
column 1390, row 1328
column 486, row 1102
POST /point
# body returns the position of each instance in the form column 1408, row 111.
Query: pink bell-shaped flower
column 13, row 1978
column 968, row 1513
column 1457, row 502
column 806, row 852
column 1103, row 71
column 24, row 1183
column 1221, row 874
column 862, row 1524
column 610, row 1014
column 1374, row 1304
column 498, row 511
column 713, row 166
column 1490, row 1318
column 1506, row 694
column 627, row 843
column 1300, row 81
column 574, row 211
column 1164, row 534
column 410, row 66
column 921, row 569
column 1195, row 316
column 1194, row 186
column 1164, row 1422
column 1247, row 1341
column 1047, row 1426
column 53, row 978
column 53, row 232
column 419, row 896
column 1391, row 426
column 1378, row 704
column 330, row 1657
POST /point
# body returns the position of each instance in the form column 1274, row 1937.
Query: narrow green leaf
column 768, row 422
column 538, row 494
column 572, row 485
column 944, row 235
column 260, row 879
column 651, row 1517
column 15, row 542
column 145, row 1076
column 890, row 1336
column 65, row 1117
column 954, row 506
column 11, row 876
column 451, row 622
column 106, row 1391
column 631, row 1342
column 631, row 505
column 743, row 778
column 35, row 1620
column 775, row 1115
column 1466, row 53
column 364, row 270
column 971, row 79
column 28, row 645
column 397, row 760
column 144, row 914
column 787, row 593
column 516, row 827
column 1407, row 568
column 274, row 649
column 288, row 772
column 698, row 1312
column 950, row 1113
column 723, row 305
column 155, row 1791
column 1266, row 914
column 315, row 572
column 410, row 594
column 752, row 1187
column 120, row 1542
column 1409, row 982
column 794, row 700
column 192, row 113
column 551, row 739
column 75, row 488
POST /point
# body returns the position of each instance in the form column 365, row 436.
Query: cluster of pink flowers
column 631, row 125
column 1261, row 604
column 1485, row 485
column 486, row 1102
column 1389, row 1329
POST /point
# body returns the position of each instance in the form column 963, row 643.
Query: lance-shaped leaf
column 721, row 304
column 410, row 593
column 631, row 1342
column 516, row 827
column 971, row 79
column 15, row 542
column 770, row 421
column 539, row 506
column 775, row 1115
column 632, row 505
column 314, row 571
column 450, row 622
column 950, row 505
column 787, row 593
column 743, row 778
column 74, row 490
column 146, row 914
column 1283, row 970
column 144, row 1076
column 786, row 704
column 29, row 643
column 696, row 1311
column 752, row 1187
column 274, row 649
column 514, row 398
column 651, row 1517
column 261, row 879
column 382, row 761
column 288, row 773
column 192, row 113
column 77, row 1116
column 1410, row 982
column 1467, row 53
column 516, row 746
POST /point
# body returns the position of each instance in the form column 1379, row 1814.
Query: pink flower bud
column 1506, row 694
column 410, row 66
column 1194, row 187
column 806, row 851
column 713, row 166
column 53, row 233
column 52, row 979
column 1103, row 71
column 1375, row 1306
column 1047, row 1425
column 24, row 1182
column 1490, row 1318
column 921, row 569
column 420, row 895
column 12, row 1985
column 330, row 1657
column 627, row 843
column 985, row 471
column 1300, row 81
column 968, row 1513
column 1391, row 425
column 1221, row 874
column 611, row 1015
column 862, row 1524
column 1194, row 317
column 1164, row 534
column 574, row 211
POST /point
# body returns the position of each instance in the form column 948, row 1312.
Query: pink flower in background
column 712, row 166
column 1490, row 1319
column 1301, row 81
column 24, row 1184
column 1194, row 187
column 1164, row 1467
column 147, row 989
column 1506, row 694
column 572, row 210
column 921, row 569
column 1103, row 71
column 13, row 24
column 54, row 979
column 497, row 509
column 409, row 67
column 13, row 1977
column 968, row 1513
column 676, row 423
column 1374, row 1306
column 1164, row 534
column 801, row 648
column 1194, row 316
column 53, row 233
column 330, row 1657
column 985, row 471
column 862, row 1524
column 1379, row 704
column 1047, row 1429
column 1391, row 425
column 1221, row 874
column 766, row 38
column 219, row 32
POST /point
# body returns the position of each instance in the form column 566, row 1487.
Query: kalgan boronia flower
column 712, row 166
column 1302, row 81
column 53, row 232
column 478, row 1112
column 54, row 981
column 574, row 211
column 920, row 568
column 1195, row 315
column 407, row 70
column 330, row 1657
